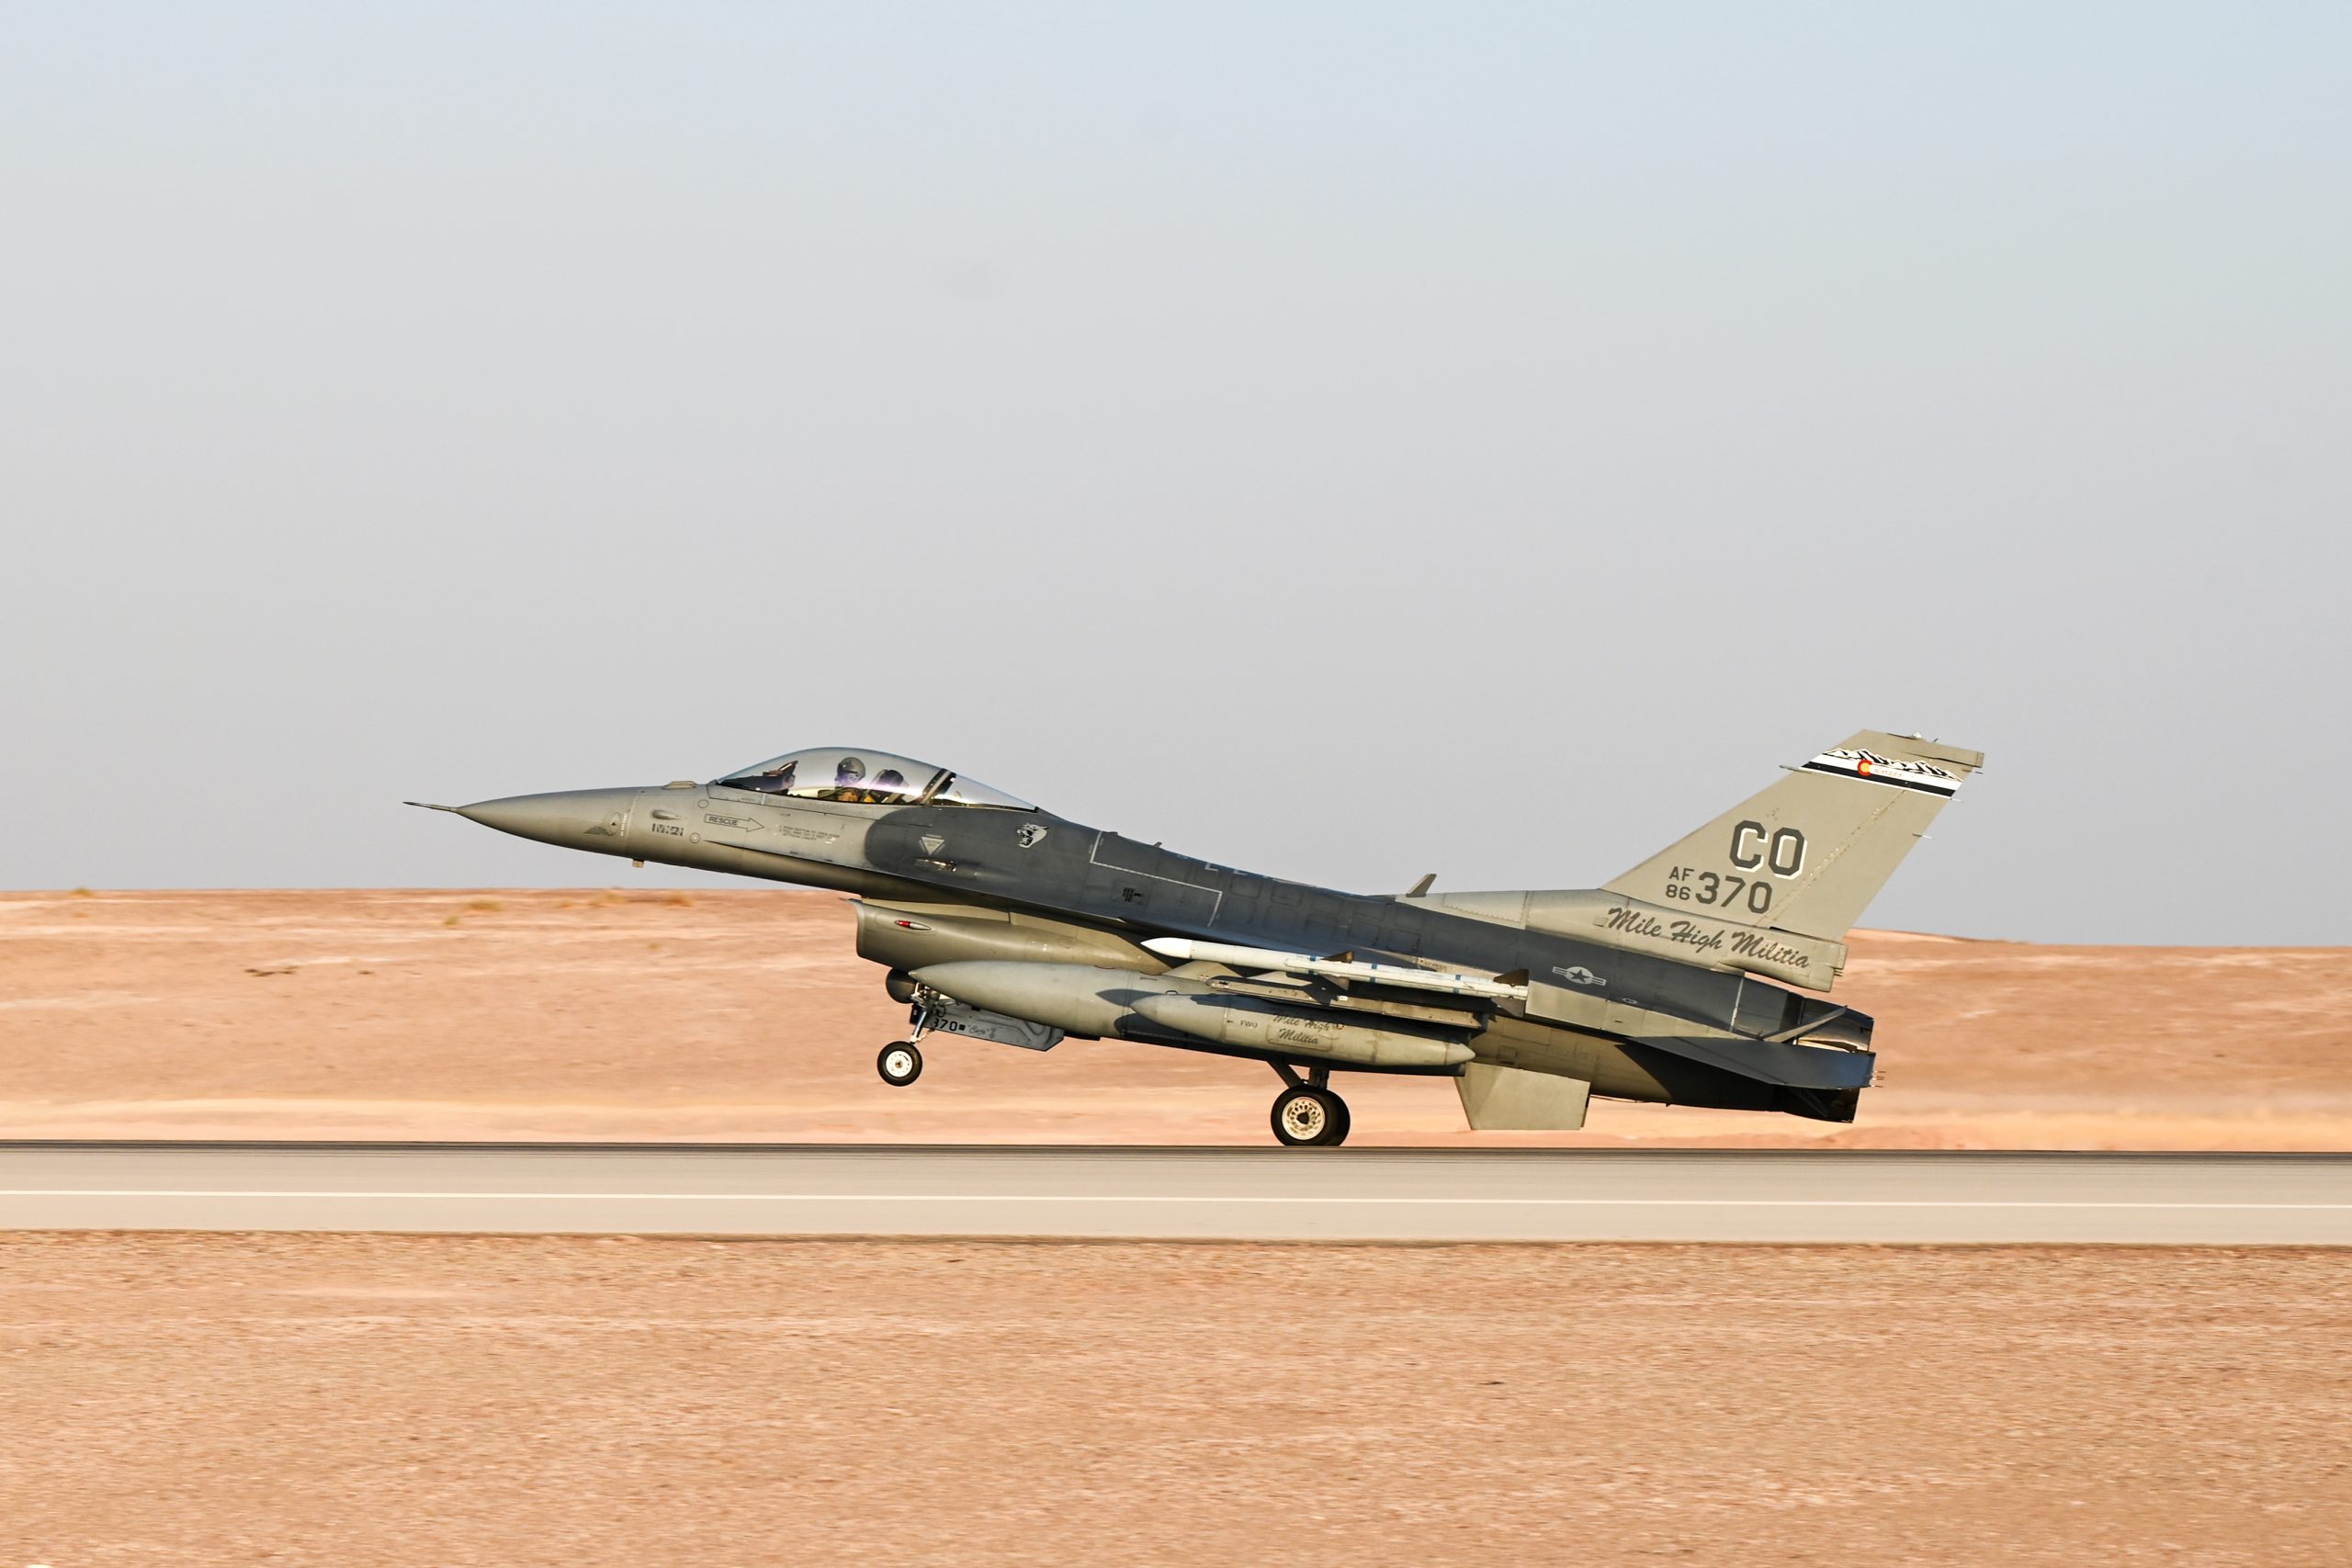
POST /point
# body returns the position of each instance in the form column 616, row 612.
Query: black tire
column 899, row 1064
column 1340, row 1123
column 1307, row 1117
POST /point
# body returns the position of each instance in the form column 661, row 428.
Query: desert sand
column 360, row 1401
column 744, row 1015
column 518, row 1400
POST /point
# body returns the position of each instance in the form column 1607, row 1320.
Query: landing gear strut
column 901, row 1064
column 1307, row 1114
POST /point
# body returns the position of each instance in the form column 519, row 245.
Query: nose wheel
column 1310, row 1116
column 899, row 1064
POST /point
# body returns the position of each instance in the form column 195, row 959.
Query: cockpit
column 866, row 778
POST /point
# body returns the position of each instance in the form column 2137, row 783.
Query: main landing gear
column 1307, row 1114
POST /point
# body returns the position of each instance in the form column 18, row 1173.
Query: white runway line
column 1148, row 1197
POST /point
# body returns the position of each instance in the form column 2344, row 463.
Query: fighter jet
column 1695, row 978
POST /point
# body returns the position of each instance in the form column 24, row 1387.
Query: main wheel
column 899, row 1064
column 1306, row 1116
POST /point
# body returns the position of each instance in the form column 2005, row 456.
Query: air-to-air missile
column 1696, row 979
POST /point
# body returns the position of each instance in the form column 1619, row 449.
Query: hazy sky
column 1348, row 441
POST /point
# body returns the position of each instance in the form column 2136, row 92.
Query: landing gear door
column 976, row 1023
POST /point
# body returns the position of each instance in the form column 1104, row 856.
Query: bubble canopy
column 855, row 776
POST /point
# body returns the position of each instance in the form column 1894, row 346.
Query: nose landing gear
column 899, row 1064
column 1307, row 1114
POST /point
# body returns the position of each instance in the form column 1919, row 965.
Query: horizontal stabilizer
column 1772, row 1061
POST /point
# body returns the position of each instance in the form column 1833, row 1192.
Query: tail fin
column 1809, row 853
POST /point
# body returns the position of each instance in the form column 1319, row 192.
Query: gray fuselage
column 1642, row 1026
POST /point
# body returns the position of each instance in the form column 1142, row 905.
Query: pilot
column 846, row 779
column 889, row 787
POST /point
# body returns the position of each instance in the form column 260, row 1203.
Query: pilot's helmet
column 850, row 771
column 890, row 781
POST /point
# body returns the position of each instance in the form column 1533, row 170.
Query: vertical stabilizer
column 1809, row 853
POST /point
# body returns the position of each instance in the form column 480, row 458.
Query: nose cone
column 576, row 819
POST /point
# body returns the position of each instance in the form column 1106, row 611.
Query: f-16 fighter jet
column 1696, row 979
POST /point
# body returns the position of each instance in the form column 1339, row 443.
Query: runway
column 1405, row 1195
